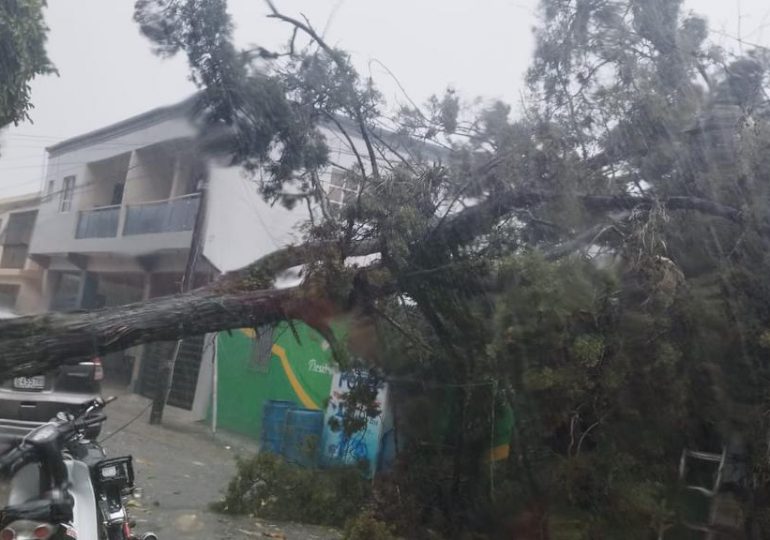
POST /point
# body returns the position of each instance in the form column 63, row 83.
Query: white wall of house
column 242, row 227
column 55, row 230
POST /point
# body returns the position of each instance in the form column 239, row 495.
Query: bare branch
column 335, row 56
column 349, row 140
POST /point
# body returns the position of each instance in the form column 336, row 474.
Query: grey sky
column 107, row 71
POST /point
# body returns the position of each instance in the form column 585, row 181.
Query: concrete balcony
column 172, row 215
column 130, row 229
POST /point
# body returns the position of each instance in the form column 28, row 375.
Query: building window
column 8, row 294
column 19, row 228
column 341, row 189
column 66, row 291
column 14, row 256
column 67, row 191
column 117, row 193
column 15, row 239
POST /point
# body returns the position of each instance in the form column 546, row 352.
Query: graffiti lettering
column 316, row 367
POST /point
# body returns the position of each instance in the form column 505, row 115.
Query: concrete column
column 179, row 179
column 140, row 350
column 46, row 293
column 133, row 164
column 204, row 385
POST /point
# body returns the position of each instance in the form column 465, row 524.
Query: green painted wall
column 299, row 371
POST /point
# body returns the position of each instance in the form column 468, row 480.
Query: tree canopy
column 23, row 56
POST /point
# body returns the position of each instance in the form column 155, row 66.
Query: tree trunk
column 31, row 345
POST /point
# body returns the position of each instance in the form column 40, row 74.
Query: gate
column 186, row 370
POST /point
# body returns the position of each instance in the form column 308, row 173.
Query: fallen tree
column 244, row 299
column 653, row 339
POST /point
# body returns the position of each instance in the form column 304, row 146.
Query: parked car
column 38, row 398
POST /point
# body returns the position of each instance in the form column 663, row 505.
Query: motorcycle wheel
column 117, row 532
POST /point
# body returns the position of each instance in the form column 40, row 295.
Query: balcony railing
column 170, row 215
column 98, row 223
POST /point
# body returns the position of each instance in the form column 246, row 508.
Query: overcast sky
column 479, row 47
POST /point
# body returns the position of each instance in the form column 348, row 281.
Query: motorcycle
column 63, row 487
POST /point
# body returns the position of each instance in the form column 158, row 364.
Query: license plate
column 29, row 383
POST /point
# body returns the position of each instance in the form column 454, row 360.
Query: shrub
column 366, row 526
column 269, row 487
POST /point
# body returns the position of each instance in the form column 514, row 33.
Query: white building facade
column 115, row 225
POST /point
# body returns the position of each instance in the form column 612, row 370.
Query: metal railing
column 99, row 222
column 170, row 215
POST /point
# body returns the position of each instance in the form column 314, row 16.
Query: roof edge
column 122, row 127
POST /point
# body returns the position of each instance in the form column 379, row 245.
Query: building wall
column 27, row 280
column 241, row 226
column 299, row 371
column 150, row 176
column 29, row 299
column 98, row 179
column 55, row 230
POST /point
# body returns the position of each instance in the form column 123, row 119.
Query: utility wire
column 124, row 426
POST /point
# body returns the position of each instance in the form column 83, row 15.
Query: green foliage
column 247, row 114
column 367, row 527
column 268, row 487
column 651, row 338
column 23, row 35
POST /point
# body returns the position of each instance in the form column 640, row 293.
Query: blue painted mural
column 362, row 446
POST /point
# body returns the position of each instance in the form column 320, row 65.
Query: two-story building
column 115, row 225
column 20, row 277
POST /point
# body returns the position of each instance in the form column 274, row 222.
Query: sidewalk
column 180, row 469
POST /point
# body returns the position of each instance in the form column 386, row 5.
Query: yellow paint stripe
column 306, row 400
column 499, row 452
column 280, row 352
column 249, row 332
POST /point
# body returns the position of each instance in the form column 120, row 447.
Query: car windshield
column 385, row 269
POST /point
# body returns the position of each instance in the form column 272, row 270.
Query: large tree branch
column 31, row 345
column 243, row 298
column 466, row 225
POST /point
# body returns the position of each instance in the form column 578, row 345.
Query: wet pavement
column 181, row 468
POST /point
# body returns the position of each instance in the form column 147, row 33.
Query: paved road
column 181, row 468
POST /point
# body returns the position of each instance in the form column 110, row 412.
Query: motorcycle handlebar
column 25, row 449
column 79, row 424
column 44, row 444
column 12, row 460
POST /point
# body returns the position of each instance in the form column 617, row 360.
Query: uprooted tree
column 598, row 264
